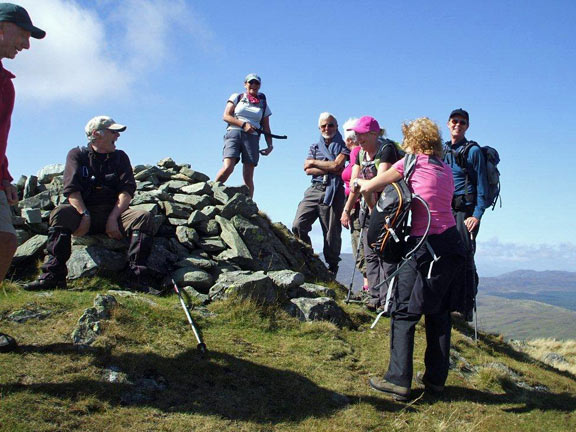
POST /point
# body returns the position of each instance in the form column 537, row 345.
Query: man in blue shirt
column 324, row 199
column 469, row 201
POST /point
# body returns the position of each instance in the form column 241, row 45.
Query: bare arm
column 335, row 167
column 352, row 198
column 266, row 128
column 378, row 183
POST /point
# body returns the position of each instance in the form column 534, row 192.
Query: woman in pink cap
column 377, row 154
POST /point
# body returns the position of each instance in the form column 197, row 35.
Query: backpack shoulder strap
column 262, row 97
column 409, row 165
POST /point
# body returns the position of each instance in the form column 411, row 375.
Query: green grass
column 265, row 371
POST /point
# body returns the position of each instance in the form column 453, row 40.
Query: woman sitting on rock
column 245, row 114
column 425, row 286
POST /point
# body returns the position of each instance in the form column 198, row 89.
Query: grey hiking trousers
column 312, row 207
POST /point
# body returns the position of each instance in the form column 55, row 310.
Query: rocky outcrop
column 210, row 238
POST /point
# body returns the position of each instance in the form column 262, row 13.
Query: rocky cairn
column 210, row 238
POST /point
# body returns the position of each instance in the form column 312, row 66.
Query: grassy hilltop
column 265, row 371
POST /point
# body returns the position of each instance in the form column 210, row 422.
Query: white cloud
column 97, row 48
column 494, row 257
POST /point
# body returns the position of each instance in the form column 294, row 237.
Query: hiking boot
column 432, row 388
column 46, row 282
column 399, row 393
column 7, row 343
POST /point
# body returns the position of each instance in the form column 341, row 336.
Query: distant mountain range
column 530, row 281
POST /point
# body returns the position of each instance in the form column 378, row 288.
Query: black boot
column 140, row 277
column 54, row 270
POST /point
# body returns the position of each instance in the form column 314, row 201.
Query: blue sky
column 165, row 68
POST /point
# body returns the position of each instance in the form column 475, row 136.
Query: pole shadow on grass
column 218, row 384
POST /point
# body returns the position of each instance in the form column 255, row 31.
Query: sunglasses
column 455, row 122
column 254, row 82
column 328, row 125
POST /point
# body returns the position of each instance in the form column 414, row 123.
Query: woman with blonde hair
column 427, row 285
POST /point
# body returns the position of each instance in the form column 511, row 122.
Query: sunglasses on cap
column 456, row 121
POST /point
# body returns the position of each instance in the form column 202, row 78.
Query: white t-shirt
column 248, row 112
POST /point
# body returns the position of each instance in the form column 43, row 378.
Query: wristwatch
column 85, row 213
column 355, row 185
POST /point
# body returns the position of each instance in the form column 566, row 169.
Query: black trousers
column 470, row 280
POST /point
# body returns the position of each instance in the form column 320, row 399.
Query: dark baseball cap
column 459, row 112
column 17, row 14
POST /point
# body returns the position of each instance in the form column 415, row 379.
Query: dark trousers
column 402, row 329
column 64, row 220
column 470, row 282
column 376, row 269
column 312, row 207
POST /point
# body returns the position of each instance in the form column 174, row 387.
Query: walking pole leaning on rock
column 201, row 345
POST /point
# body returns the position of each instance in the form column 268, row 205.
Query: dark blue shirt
column 477, row 178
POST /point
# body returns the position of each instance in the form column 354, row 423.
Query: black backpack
column 492, row 159
column 389, row 229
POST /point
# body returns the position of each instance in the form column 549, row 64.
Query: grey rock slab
column 195, row 201
column 46, row 174
column 223, row 193
column 22, row 236
column 147, row 173
column 209, row 227
column 212, row 244
column 30, row 187
column 175, row 185
column 30, row 248
column 309, row 290
column 239, row 204
column 23, row 315
column 231, row 237
column 32, row 215
column 286, row 278
column 211, row 211
column 197, row 261
column 317, row 309
column 167, row 163
column 201, row 188
column 39, row 201
column 87, row 329
column 187, row 236
column 195, row 176
column 247, row 285
column 195, row 218
column 194, row 277
column 178, row 222
column 160, row 258
column 152, row 196
column 176, row 210
column 203, row 298
column 101, row 240
column 88, row 260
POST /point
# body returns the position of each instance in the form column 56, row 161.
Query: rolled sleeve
column 127, row 183
column 73, row 173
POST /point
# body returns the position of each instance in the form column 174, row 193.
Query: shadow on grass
column 217, row 384
column 525, row 399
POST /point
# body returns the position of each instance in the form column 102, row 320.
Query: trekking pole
column 354, row 271
column 201, row 345
column 271, row 135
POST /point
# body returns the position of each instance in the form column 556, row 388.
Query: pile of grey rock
column 210, row 238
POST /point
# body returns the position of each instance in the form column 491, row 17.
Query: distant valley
column 522, row 304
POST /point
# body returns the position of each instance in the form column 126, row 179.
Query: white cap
column 103, row 122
